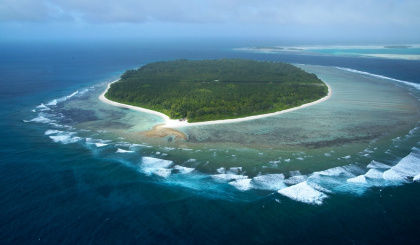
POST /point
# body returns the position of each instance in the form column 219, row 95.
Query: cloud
column 324, row 20
column 22, row 10
column 281, row 12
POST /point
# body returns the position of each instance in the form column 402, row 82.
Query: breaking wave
column 312, row 188
column 62, row 99
column 63, row 137
column 303, row 192
column 119, row 150
column 415, row 85
column 155, row 166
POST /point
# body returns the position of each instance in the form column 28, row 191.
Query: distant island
column 208, row 90
column 278, row 48
column 398, row 46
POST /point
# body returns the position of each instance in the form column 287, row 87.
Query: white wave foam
column 43, row 107
column 97, row 142
column 156, row 166
column 415, row 85
column 83, row 91
column 71, row 95
column 62, row 99
column 416, row 178
column 302, row 192
column 391, row 175
column 123, row 144
column 374, row 174
column 52, row 102
column 359, row 179
column 328, row 183
column 52, row 131
column 295, row 179
column 156, row 162
column 42, row 119
column 336, row 180
column 318, row 187
column 234, row 170
column 162, row 172
column 123, row 151
column 65, row 139
column 375, row 164
column 221, row 170
column 183, row 170
column 268, row 182
column 169, row 148
column 295, row 173
column 104, row 141
column 414, row 130
column 337, row 171
column 56, row 125
column 241, row 184
column 228, row 177
column 409, row 166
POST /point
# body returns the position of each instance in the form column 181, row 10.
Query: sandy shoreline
column 102, row 98
column 170, row 123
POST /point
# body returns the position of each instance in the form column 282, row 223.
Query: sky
column 304, row 21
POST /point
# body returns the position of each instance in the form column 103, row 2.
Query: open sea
column 74, row 170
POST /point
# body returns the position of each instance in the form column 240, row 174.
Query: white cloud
column 301, row 12
column 349, row 20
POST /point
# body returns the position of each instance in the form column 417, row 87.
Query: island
column 209, row 90
column 398, row 46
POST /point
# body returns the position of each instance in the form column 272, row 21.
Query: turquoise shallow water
column 308, row 153
column 410, row 52
column 367, row 50
column 76, row 170
column 394, row 52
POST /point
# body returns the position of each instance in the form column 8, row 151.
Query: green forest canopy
column 206, row 90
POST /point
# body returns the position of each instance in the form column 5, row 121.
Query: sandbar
column 276, row 49
column 395, row 56
column 159, row 131
column 171, row 123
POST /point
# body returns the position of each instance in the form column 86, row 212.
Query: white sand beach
column 171, row 123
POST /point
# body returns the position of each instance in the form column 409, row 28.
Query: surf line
column 171, row 123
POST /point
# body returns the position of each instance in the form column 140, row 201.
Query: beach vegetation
column 206, row 90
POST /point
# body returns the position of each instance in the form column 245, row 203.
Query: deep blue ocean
column 64, row 194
